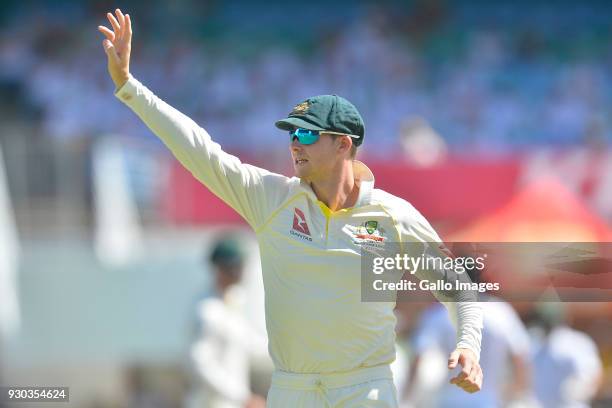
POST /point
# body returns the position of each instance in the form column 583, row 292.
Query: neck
column 337, row 190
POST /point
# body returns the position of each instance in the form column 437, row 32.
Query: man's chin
column 300, row 172
column 303, row 175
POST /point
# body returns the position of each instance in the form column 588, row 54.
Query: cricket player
column 225, row 340
column 568, row 370
column 329, row 348
column 505, row 356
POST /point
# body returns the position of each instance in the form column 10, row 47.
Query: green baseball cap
column 326, row 112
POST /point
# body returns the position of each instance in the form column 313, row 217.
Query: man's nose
column 295, row 144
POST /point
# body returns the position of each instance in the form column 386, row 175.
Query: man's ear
column 345, row 143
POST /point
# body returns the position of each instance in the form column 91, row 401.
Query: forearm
column 467, row 318
column 178, row 132
column 463, row 307
column 239, row 185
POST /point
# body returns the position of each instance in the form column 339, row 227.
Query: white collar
column 365, row 178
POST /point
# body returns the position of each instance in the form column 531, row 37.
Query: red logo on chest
column 299, row 222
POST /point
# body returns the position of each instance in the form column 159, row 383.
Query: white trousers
column 362, row 388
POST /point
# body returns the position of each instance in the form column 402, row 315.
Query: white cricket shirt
column 310, row 256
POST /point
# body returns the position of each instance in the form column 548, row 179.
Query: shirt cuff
column 128, row 91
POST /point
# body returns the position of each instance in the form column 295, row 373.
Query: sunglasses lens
column 304, row 136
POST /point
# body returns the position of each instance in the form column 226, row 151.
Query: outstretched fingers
column 114, row 24
column 121, row 21
column 128, row 28
column 107, row 33
column 120, row 17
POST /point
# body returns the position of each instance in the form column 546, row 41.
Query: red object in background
column 187, row 201
column 456, row 190
column 543, row 211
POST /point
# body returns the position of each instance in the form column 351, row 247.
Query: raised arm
column 253, row 192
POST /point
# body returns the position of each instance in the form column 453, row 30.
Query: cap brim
column 292, row 123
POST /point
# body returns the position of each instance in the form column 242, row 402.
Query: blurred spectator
column 407, row 314
column 504, row 358
column 220, row 355
column 421, row 144
column 567, row 367
column 484, row 89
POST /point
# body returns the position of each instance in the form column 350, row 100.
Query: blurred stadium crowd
column 490, row 77
column 503, row 92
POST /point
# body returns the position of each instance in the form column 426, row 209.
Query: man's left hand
column 470, row 377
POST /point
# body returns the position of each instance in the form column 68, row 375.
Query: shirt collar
column 365, row 178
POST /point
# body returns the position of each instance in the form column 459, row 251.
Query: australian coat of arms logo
column 300, row 109
column 370, row 226
column 370, row 231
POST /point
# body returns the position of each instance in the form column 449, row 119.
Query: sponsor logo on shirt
column 300, row 226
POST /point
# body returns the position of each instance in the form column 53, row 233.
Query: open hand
column 118, row 45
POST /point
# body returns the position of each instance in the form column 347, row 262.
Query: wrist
column 468, row 350
column 121, row 80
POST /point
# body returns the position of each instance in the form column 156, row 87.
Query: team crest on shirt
column 370, row 226
column 367, row 234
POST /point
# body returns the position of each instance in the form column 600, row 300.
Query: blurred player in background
column 221, row 353
column 505, row 356
column 329, row 348
column 567, row 366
